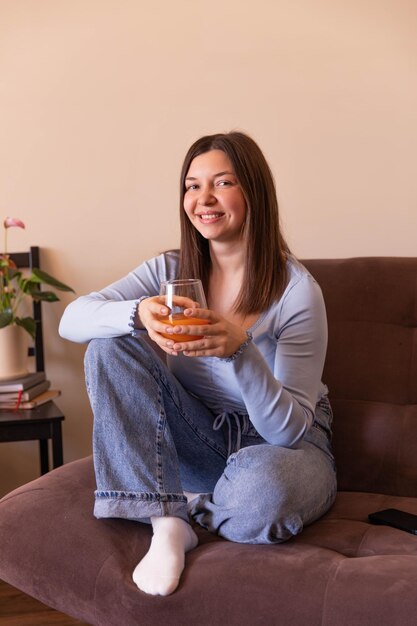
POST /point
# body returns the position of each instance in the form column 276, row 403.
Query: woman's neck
column 225, row 282
column 227, row 260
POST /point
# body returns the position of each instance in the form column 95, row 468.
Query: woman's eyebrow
column 223, row 173
column 215, row 175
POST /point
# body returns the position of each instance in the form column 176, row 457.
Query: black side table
column 41, row 423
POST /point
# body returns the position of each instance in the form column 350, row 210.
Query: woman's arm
column 281, row 403
column 278, row 375
column 111, row 311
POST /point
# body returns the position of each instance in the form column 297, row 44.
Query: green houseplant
column 15, row 288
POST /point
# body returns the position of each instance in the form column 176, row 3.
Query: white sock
column 158, row 573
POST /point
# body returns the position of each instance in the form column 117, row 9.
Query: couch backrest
column 371, row 370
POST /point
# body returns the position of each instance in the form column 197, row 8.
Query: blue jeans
column 153, row 440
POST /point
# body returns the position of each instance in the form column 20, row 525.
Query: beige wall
column 100, row 99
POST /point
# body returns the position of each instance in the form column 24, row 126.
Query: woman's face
column 214, row 200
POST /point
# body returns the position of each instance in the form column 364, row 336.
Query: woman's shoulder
column 163, row 266
column 143, row 279
column 297, row 271
column 300, row 281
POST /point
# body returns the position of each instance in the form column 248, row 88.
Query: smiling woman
column 247, row 180
column 222, row 432
column 214, row 201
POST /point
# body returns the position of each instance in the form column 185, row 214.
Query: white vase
column 14, row 343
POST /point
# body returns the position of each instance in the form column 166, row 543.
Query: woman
column 234, row 433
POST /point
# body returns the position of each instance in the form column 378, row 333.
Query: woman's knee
column 116, row 350
column 115, row 362
column 266, row 495
column 95, row 350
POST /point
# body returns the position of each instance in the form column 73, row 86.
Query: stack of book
column 26, row 392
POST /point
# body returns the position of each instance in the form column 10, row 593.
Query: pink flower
column 13, row 221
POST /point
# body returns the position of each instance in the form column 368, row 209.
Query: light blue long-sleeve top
column 276, row 380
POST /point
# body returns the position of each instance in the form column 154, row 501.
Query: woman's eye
column 191, row 187
column 224, row 183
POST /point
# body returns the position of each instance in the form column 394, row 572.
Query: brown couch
column 340, row 571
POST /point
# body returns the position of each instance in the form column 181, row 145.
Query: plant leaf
column 40, row 276
column 28, row 323
column 6, row 318
column 12, row 273
column 45, row 296
column 28, row 286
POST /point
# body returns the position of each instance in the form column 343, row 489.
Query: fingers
column 218, row 345
column 151, row 307
column 200, row 347
column 180, row 301
column 181, row 333
column 165, row 344
column 218, row 340
column 152, row 312
column 206, row 314
column 205, row 334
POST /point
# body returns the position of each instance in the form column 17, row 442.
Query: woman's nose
column 206, row 196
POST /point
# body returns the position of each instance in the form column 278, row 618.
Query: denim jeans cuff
column 138, row 508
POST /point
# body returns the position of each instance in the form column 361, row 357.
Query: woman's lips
column 210, row 218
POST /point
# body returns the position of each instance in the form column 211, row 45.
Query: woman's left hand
column 220, row 337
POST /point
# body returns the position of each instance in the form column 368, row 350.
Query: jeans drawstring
column 225, row 417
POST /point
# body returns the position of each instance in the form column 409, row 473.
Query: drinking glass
column 173, row 291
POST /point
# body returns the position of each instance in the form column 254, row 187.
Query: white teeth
column 210, row 216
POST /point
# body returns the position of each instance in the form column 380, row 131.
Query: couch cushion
column 339, row 571
column 371, row 370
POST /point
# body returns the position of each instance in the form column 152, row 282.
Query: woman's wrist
column 135, row 322
column 240, row 349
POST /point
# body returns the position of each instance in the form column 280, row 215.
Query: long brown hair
column 265, row 273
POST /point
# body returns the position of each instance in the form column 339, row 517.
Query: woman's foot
column 158, row 573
